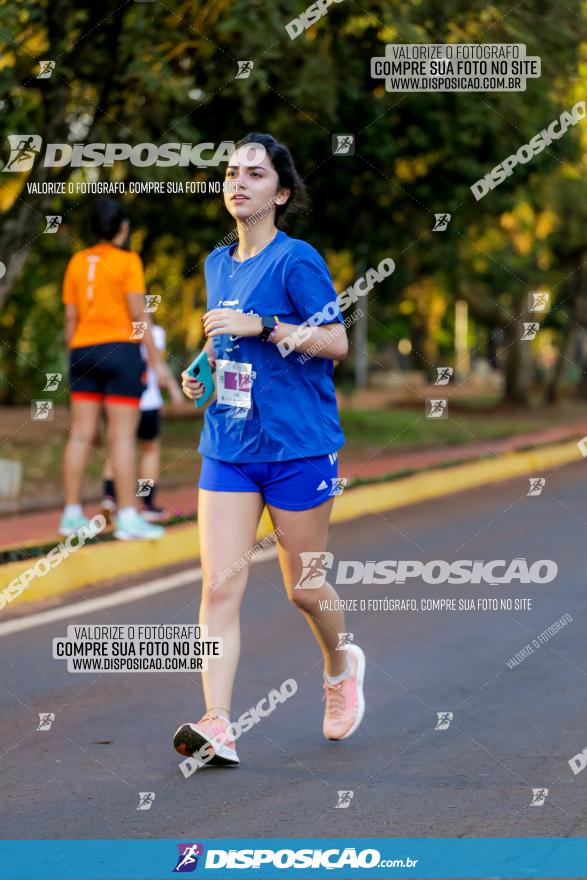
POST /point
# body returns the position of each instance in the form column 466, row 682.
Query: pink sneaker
column 345, row 702
column 208, row 738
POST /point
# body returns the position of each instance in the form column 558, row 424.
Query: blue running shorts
column 297, row 484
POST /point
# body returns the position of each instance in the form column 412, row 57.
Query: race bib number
column 234, row 380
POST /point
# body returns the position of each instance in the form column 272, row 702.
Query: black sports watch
column 268, row 322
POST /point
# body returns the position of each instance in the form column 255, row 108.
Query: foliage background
column 165, row 71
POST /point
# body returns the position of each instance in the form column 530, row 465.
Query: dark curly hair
column 282, row 161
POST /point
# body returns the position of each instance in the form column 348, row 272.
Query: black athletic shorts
column 149, row 424
column 114, row 372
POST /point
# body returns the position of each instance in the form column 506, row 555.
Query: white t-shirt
column 152, row 398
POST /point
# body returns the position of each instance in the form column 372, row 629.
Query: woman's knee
column 220, row 589
column 82, row 434
column 306, row 600
column 120, row 432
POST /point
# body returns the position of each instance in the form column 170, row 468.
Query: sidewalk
column 19, row 529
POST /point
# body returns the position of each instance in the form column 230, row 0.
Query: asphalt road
column 512, row 730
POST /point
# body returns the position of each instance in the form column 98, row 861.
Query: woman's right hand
column 193, row 388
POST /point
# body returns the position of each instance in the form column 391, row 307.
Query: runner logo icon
column 42, row 410
column 138, row 329
column 443, row 375
column 46, row 68
column 53, row 222
column 24, row 149
column 244, row 69
column 145, row 487
column 343, row 144
column 441, row 222
column 344, row 800
column 338, row 485
column 539, row 795
column 46, row 719
column 530, row 330
column 187, row 860
column 444, row 719
column 537, row 484
column 344, row 639
column 314, row 567
column 437, row 409
column 53, row 380
column 538, row 300
column 153, row 300
column 146, row 799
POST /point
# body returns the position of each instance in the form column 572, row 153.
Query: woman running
column 270, row 437
column 104, row 293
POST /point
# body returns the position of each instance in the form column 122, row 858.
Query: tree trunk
column 568, row 341
column 519, row 366
column 10, row 367
column 568, row 338
column 580, row 322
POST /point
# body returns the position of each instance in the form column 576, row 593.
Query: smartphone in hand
column 200, row 369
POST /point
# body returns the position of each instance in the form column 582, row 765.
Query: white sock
column 336, row 679
column 126, row 511
column 73, row 510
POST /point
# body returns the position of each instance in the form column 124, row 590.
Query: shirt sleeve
column 134, row 281
column 68, row 292
column 310, row 288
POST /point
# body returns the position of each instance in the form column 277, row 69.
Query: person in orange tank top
column 105, row 322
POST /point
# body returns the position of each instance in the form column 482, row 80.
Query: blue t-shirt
column 293, row 412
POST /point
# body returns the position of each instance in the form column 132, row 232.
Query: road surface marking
column 119, row 597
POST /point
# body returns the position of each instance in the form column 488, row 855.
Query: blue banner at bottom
column 304, row 858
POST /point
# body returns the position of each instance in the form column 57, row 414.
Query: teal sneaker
column 133, row 526
column 69, row 525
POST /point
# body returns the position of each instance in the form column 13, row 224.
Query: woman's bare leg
column 84, row 417
column 122, row 447
column 150, row 459
column 300, row 531
column 228, row 526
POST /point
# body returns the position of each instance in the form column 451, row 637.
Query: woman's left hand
column 219, row 321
